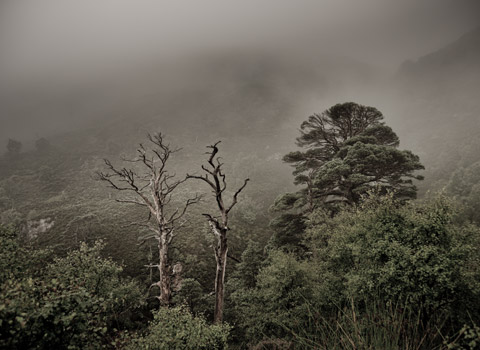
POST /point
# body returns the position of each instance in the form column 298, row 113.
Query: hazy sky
column 51, row 48
column 48, row 35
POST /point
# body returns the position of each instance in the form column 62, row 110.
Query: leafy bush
column 412, row 270
column 100, row 277
column 39, row 314
column 72, row 303
column 464, row 186
column 413, row 253
column 11, row 260
column 278, row 301
column 192, row 294
column 177, row 329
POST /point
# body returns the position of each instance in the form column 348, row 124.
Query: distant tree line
column 14, row 147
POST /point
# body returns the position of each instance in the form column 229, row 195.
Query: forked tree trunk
column 215, row 178
column 153, row 190
column 221, row 259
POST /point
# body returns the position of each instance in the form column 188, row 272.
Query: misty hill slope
column 458, row 57
column 253, row 104
column 439, row 97
column 220, row 91
column 449, row 77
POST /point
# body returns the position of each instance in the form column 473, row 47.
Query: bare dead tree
column 216, row 179
column 152, row 188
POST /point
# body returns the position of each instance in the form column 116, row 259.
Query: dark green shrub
column 38, row 314
column 102, row 278
column 399, row 262
column 72, row 303
column 278, row 301
column 177, row 329
column 414, row 253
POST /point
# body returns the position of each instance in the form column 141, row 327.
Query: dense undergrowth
column 381, row 275
column 382, row 271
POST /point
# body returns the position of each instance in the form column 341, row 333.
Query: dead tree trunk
column 152, row 188
column 164, row 272
column 221, row 258
column 215, row 178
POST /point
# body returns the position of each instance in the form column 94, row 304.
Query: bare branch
column 132, row 201
column 203, row 178
column 211, row 218
column 179, row 214
column 236, row 195
column 218, row 226
column 233, row 258
column 213, row 153
column 153, row 266
column 153, row 189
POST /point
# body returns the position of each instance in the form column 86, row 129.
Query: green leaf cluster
column 348, row 152
column 73, row 302
column 413, row 265
column 413, row 252
column 177, row 329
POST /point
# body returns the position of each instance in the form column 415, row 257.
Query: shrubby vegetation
column 464, row 186
column 74, row 302
column 350, row 261
column 376, row 265
column 177, row 328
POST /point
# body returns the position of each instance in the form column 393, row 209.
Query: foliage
column 413, row 253
column 50, row 314
column 193, row 295
column 289, row 230
column 176, row 329
column 464, row 186
column 10, row 262
column 364, row 164
column 411, row 270
column 101, row 277
column 248, row 268
column 72, row 303
column 277, row 301
column 349, row 150
column 16, row 261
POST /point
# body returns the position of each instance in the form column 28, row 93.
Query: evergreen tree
column 349, row 150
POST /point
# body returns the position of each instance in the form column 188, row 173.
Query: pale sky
column 53, row 52
column 48, row 35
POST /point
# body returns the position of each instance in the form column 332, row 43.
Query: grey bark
column 153, row 189
column 216, row 179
